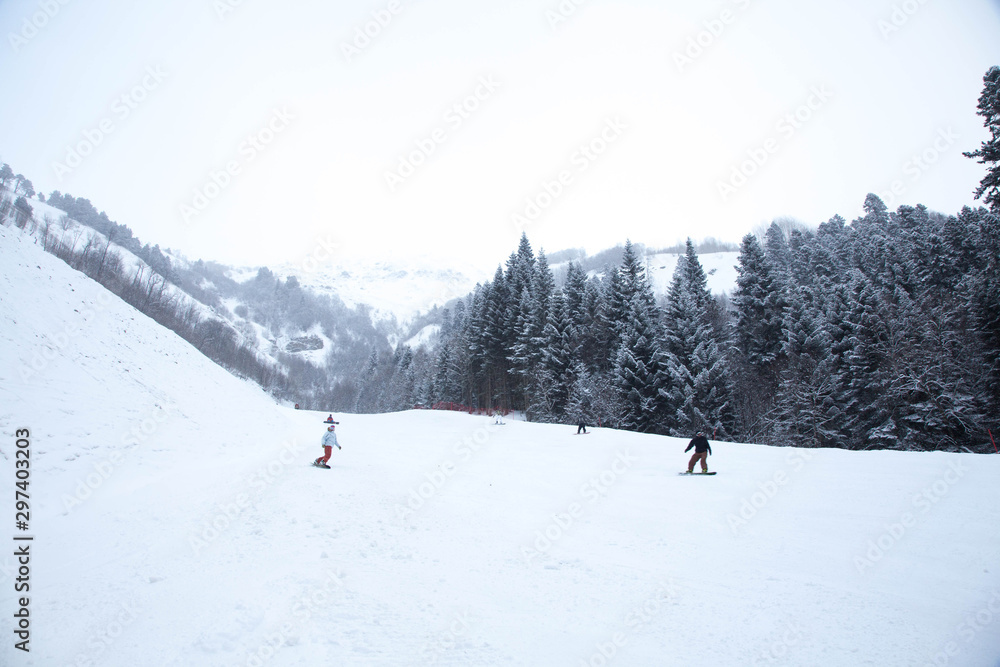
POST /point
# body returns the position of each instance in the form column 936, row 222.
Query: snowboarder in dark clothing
column 581, row 427
column 701, row 451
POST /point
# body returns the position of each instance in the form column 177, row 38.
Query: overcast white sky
column 669, row 132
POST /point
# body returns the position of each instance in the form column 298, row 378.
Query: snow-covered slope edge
column 136, row 436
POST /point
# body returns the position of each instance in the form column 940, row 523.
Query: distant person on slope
column 701, row 451
column 581, row 426
column 328, row 443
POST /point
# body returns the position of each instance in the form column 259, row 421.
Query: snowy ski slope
column 177, row 522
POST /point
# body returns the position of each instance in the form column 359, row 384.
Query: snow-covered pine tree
column 806, row 389
column 524, row 354
column 635, row 373
column 759, row 306
column 634, row 280
column 871, row 370
column 692, row 373
column 760, row 310
column 478, row 340
column 589, row 333
column 498, row 313
column 778, row 253
column 521, row 266
column 636, row 368
column 826, row 258
column 621, row 285
column 613, row 311
column 558, row 359
column 575, row 293
column 987, row 308
column 580, row 296
column 989, row 152
column 543, row 285
column 988, row 291
column 519, row 275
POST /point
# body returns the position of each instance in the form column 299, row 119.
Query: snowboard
column 697, row 473
column 317, row 465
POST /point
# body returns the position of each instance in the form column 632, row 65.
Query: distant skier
column 581, row 426
column 701, row 451
column 328, row 443
column 498, row 417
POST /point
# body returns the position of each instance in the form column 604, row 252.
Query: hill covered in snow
column 176, row 521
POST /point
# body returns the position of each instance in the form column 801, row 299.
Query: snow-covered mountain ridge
column 404, row 289
column 391, row 289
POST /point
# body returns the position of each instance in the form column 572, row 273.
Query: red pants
column 694, row 459
column 328, row 450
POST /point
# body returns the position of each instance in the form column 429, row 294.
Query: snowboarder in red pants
column 328, row 443
column 701, row 451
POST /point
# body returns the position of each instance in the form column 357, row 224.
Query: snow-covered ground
column 177, row 522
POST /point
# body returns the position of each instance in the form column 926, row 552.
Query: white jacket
column 330, row 440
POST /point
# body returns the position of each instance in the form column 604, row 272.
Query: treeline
column 145, row 288
column 83, row 211
column 878, row 334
